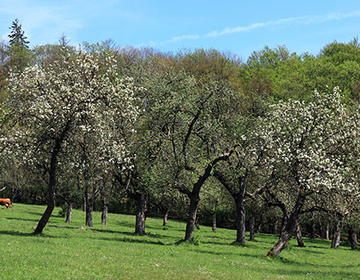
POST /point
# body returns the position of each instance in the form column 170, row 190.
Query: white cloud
column 304, row 20
column 175, row 39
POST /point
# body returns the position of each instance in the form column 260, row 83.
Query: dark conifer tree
column 18, row 50
column 17, row 35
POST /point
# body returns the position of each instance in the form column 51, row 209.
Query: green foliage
column 196, row 105
column 19, row 54
column 277, row 74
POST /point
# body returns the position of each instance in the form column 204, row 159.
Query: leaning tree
column 308, row 152
column 50, row 107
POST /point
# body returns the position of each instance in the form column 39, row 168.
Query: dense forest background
column 200, row 141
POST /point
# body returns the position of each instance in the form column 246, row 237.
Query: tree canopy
column 196, row 134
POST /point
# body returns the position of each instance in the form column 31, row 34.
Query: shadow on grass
column 123, row 236
column 35, row 213
column 215, row 242
column 149, row 235
column 303, row 249
column 317, row 274
column 332, row 267
column 160, row 227
column 227, row 253
column 16, row 233
column 218, row 236
column 23, row 219
column 25, row 234
column 129, row 237
column 132, row 240
column 253, row 243
column 344, row 245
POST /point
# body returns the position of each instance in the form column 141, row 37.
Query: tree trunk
column 240, row 219
column 45, row 217
column 337, row 234
column 89, row 213
column 51, row 189
column 52, row 179
column 284, row 238
column 165, row 217
column 69, row 214
column 298, row 236
column 312, row 226
column 197, row 225
column 353, row 239
column 84, row 204
column 289, row 227
column 195, row 195
column 258, row 227
column 252, row 228
column 327, row 232
column 141, row 207
column 194, row 203
column 214, row 222
column 238, row 197
column 104, row 215
column 104, row 204
column 89, row 206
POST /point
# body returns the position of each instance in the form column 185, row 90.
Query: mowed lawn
column 64, row 251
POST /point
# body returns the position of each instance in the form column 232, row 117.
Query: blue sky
column 238, row 27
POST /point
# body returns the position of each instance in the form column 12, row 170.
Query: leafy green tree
column 182, row 114
column 243, row 175
column 269, row 58
column 309, row 147
column 49, row 108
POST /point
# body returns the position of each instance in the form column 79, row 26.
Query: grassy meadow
column 64, row 251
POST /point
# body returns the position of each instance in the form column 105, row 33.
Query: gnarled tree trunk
column 141, row 207
column 104, row 203
column 289, row 227
column 284, row 238
column 353, row 239
column 165, row 218
column 195, row 195
column 194, row 204
column 214, row 222
column 240, row 219
column 104, row 215
column 252, row 228
column 89, row 206
column 327, row 232
column 84, row 204
column 89, row 213
column 298, row 235
column 69, row 213
column 335, row 242
column 238, row 194
column 51, row 186
column 46, row 216
column 312, row 226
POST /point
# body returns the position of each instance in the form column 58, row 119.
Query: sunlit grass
column 64, row 251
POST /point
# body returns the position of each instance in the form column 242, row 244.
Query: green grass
column 114, row 252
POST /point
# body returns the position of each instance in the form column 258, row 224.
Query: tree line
column 269, row 144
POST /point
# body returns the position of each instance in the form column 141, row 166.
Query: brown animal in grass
column 6, row 202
